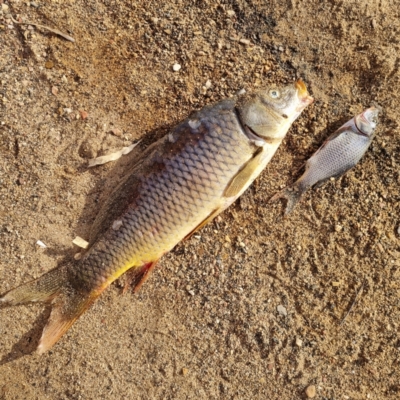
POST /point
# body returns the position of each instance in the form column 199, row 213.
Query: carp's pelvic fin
column 292, row 194
column 67, row 303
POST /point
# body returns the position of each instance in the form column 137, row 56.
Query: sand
column 254, row 306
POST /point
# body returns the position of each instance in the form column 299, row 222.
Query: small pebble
column 176, row 67
column 4, row 7
column 84, row 114
column 281, row 310
column 184, row 371
column 41, row 244
column 311, row 391
column 299, row 342
column 244, row 41
column 49, row 64
column 230, row 13
column 398, row 230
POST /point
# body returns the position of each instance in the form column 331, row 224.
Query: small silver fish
column 340, row 152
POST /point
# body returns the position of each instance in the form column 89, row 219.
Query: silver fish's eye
column 274, row 93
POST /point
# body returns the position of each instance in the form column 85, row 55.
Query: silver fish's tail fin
column 292, row 194
column 68, row 304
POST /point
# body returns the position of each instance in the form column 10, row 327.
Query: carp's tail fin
column 292, row 194
column 42, row 289
column 68, row 304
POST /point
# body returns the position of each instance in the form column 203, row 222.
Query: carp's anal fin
column 136, row 277
column 66, row 309
column 203, row 223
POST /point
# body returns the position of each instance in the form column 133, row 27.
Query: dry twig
column 56, row 31
column 352, row 304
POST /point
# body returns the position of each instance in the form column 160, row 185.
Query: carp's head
column 269, row 113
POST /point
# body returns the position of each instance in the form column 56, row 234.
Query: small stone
column 338, row 228
column 230, row 13
column 176, row 67
column 335, row 284
column 299, row 342
column 311, row 391
column 373, row 24
column 4, row 7
column 54, row 90
column 208, row 84
column 282, row 310
column 84, row 114
column 116, row 132
column 49, row 64
column 246, row 42
column 78, row 256
column 185, row 371
column 281, row 48
column 78, row 241
column 398, row 230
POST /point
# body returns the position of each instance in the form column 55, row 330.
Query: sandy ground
column 206, row 325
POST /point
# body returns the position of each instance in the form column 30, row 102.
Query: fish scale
column 171, row 200
column 175, row 187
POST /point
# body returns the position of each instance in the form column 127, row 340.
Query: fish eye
column 274, row 93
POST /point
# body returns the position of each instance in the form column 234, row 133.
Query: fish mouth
column 302, row 93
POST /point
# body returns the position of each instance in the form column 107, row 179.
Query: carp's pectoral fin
column 67, row 307
column 204, row 223
column 135, row 277
column 242, row 178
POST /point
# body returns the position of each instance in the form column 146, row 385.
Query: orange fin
column 204, row 223
column 68, row 304
column 137, row 276
column 66, row 309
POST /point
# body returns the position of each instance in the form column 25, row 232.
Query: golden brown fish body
column 180, row 183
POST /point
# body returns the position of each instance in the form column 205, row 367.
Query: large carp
column 181, row 182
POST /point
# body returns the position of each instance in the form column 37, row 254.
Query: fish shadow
column 29, row 341
column 108, row 177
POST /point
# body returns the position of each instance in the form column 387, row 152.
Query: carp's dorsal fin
column 241, row 179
